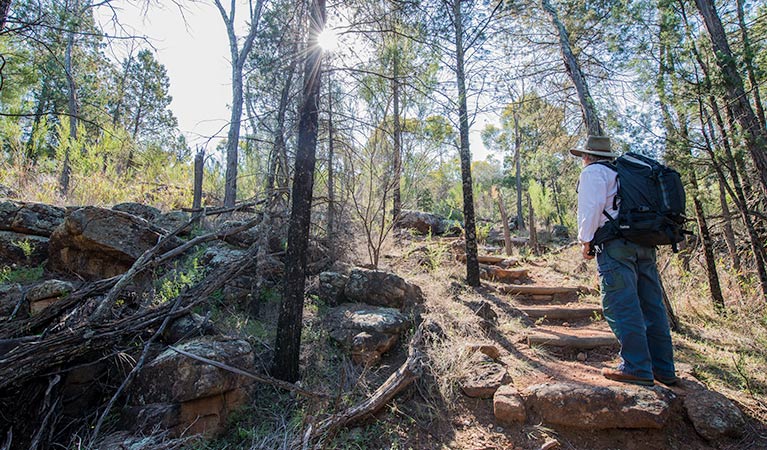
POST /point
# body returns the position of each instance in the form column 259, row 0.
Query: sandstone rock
column 12, row 249
column 599, row 407
column 366, row 330
column 174, row 378
column 220, row 254
column 487, row 349
column 484, row 310
column 99, row 243
column 146, row 212
column 47, row 293
column 421, row 222
column 172, row 220
column 508, row 406
column 380, row 288
column 189, row 326
column 10, row 296
column 484, row 377
column 207, row 416
column 332, row 286
column 30, row 218
column 713, row 415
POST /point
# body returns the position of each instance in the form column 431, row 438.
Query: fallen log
column 571, row 341
column 407, row 373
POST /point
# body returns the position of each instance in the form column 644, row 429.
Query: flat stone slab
column 593, row 339
column 545, row 290
column 484, row 377
column 494, row 273
column 561, row 312
column 599, row 407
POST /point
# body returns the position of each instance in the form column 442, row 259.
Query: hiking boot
column 668, row 381
column 619, row 375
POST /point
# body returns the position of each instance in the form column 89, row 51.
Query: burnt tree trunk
column 288, row 345
column 199, row 164
column 472, row 264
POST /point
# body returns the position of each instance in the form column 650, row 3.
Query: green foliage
column 26, row 246
column 23, row 275
column 170, row 286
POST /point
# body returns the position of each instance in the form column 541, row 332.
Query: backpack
column 652, row 203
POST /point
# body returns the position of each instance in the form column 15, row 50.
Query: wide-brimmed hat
column 596, row 145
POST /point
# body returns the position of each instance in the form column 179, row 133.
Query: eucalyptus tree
column 238, row 56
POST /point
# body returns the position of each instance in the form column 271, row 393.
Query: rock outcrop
column 185, row 395
column 99, row 243
column 47, row 293
column 366, row 330
column 484, row 377
column 30, row 218
column 380, row 288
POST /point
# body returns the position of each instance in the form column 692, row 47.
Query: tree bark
column 199, row 161
column 397, row 160
column 504, row 219
column 239, row 56
column 588, row 108
column 285, row 365
column 472, row 265
column 748, row 59
column 331, row 174
column 5, row 6
column 72, row 105
column 518, row 170
column 729, row 233
column 755, row 135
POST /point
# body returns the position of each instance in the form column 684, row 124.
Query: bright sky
column 196, row 56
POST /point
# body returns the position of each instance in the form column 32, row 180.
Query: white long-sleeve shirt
column 597, row 188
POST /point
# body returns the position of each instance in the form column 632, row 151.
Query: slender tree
column 288, row 345
column 238, row 56
column 755, row 135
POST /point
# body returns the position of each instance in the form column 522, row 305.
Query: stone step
column 578, row 339
column 567, row 313
column 532, row 290
column 587, row 407
column 494, row 273
column 502, row 261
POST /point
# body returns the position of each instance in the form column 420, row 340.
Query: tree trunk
column 748, row 59
column 588, row 108
column 238, row 61
column 729, row 233
column 5, row 6
column 738, row 195
column 755, row 135
column 288, row 345
column 199, row 164
column 72, row 105
column 331, row 174
column 533, row 232
column 472, row 265
column 397, row 160
column 518, row 170
column 708, row 246
column 504, row 219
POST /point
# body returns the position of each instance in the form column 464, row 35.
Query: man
column 632, row 299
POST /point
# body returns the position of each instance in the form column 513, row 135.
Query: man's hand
column 585, row 250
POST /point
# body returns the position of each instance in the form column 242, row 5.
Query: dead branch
column 407, row 373
column 260, row 378
column 70, row 345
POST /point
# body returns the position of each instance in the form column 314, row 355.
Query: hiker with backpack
column 620, row 221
